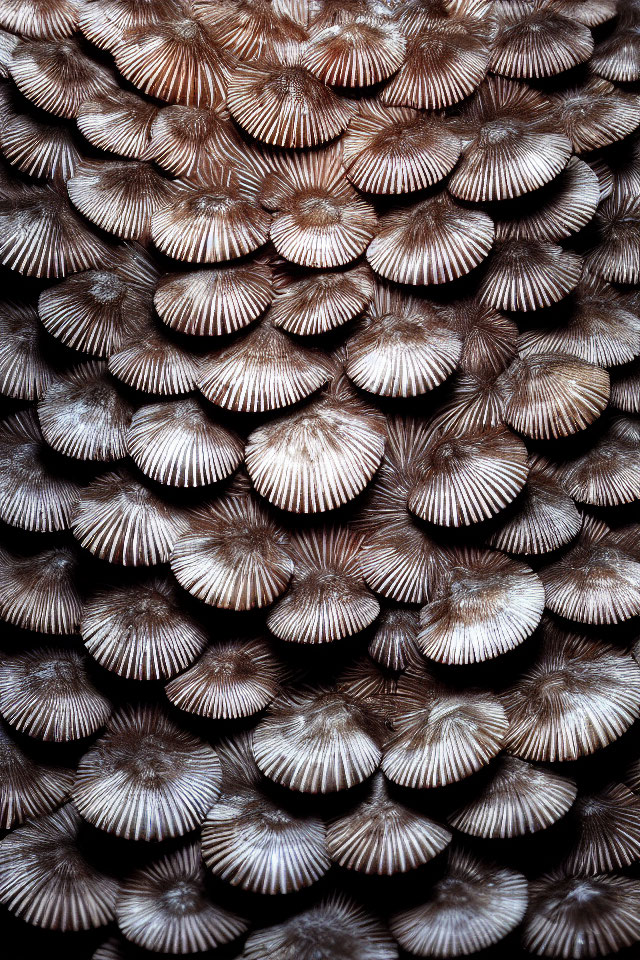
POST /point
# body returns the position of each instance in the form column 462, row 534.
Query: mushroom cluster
column 320, row 478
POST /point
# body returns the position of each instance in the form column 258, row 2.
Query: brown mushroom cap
column 117, row 121
column 316, row 303
column 355, row 54
column 528, row 274
column 28, row 787
column 538, row 42
column 616, row 257
column 25, row 370
column 44, row 19
column 605, row 831
column 39, row 592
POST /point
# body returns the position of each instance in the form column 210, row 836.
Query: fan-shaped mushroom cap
column 617, row 56
column 397, row 149
column 175, row 58
column 41, row 150
column 38, row 592
column 467, row 478
column 543, row 518
column 555, row 211
column 283, row 104
column 46, row 879
column 594, row 583
column 165, row 907
column 538, row 42
column 233, row 678
column 310, row 304
column 141, row 631
column 489, row 343
column 150, row 360
column 120, row 520
column 191, row 142
column 25, row 371
column 41, row 235
column 577, row 697
column 552, row 395
column 608, row 474
column 255, row 843
column 515, row 798
column 590, row 12
column 263, row 369
column 510, row 143
column 82, row 415
column 45, row 19
column 529, row 274
column 146, row 779
column 104, row 22
column 373, row 686
column 233, row 556
column 57, row 76
column 117, row 121
column 605, row 831
column 34, row 494
column 318, row 457
column 625, row 388
column 393, row 642
column 402, row 347
column 596, row 114
column 483, row 604
column 48, row 693
column 328, row 598
column 317, row 741
column 473, row 906
column 581, row 916
column 355, row 54
column 28, row 787
column 336, row 924
column 214, row 301
column 209, row 223
column 119, row 196
column 381, row 835
column 180, row 445
column 441, row 734
column 251, row 28
column 95, row 311
column 435, row 241
column 447, row 57
column 616, row 257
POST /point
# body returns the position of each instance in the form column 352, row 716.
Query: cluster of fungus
column 319, row 477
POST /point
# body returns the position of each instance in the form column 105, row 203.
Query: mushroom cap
column 165, row 907
column 608, row 474
column 473, row 906
column 578, row 696
column 42, row 19
column 310, row 304
column 28, row 787
column 179, row 444
column 393, row 642
column 146, row 778
column 49, row 694
column 515, row 798
column 25, row 369
column 104, row 23
column 233, row 555
column 191, row 142
column 596, row 114
column 39, row 591
column 149, row 360
column 41, row 150
column 141, row 631
column 616, row 257
column 605, row 831
column 529, row 274
column 359, row 53
column 317, row 741
column 257, row 844
column 117, row 121
column 538, row 42
column 48, row 881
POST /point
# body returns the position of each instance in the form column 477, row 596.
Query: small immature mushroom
column 392, row 150
column 327, row 599
column 550, row 395
column 538, row 42
column 25, row 354
column 317, row 741
column 232, row 678
column 263, row 369
column 233, row 555
column 146, row 778
column 309, row 304
column 34, row 494
column 120, row 520
column 515, row 798
column 82, row 415
column 337, row 926
column 483, row 605
column 180, row 445
column 28, row 787
column 47, row 880
column 578, row 696
column 38, row 591
column 117, row 122
column 402, row 347
column 441, row 735
column 467, row 478
column 605, row 831
column 473, row 906
column 382, row 836
column 433, row 242
column 141, row 631
column 48, row 693
column 165, row 907
column 577, row 917
column 215, row 301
